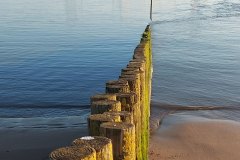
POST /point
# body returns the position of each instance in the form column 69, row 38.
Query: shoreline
column 185, row 137
column 172, row 134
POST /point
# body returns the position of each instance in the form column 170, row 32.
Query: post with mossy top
column 102, row 145
column 95, row 120
column 133, row 100
column 101, row 106
column 123, row 138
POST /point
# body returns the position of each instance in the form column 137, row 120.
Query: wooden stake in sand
column 73, row 153
column 123, row 139
column 99, row 107
column 102, row 145
column 95, row 120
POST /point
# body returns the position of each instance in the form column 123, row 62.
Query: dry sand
column 202, row 140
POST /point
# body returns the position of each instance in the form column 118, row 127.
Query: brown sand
column 202, row 140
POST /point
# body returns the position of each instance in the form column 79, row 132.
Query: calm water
column 196, row 46
column 55, row 54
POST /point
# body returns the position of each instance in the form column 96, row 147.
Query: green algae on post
column 123, row 139
column 95, row 120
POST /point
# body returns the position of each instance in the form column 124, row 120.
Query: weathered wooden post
column 73, row 153
column 124, row 115
column 101, row 106
column 127, row 101
column 117, row 86
column 123, row 139
column 129, row 69
column 95, row 120
column 102, row 145
column 142, row 59
column 99, row 97
column 133, row 78
column 139, row 52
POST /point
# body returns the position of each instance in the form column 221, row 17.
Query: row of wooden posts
column 119, row 121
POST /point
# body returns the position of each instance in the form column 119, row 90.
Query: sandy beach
column 198, row 139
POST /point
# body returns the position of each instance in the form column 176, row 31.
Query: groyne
column 119, row 121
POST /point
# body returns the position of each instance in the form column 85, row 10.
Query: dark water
column 55, row 54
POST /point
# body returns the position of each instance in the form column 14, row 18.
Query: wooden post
column 117, row 86
column 133, row 79
column 95, row 120
column 123, row 139
column 137, row 64
column 129, row 69
column 99, row 107
column 127, row 101
column 124, row 115
column 99, row 97
column 142, row 64
column 73, row 153
column 102, row 145
column 139, row 52
column 137, row 60
column 115, row 82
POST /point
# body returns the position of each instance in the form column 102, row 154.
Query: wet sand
column 182, row 137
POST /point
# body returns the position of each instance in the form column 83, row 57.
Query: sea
column 55, row 54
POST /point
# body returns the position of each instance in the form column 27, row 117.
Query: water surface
column 196, row 46
column 55, row 54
